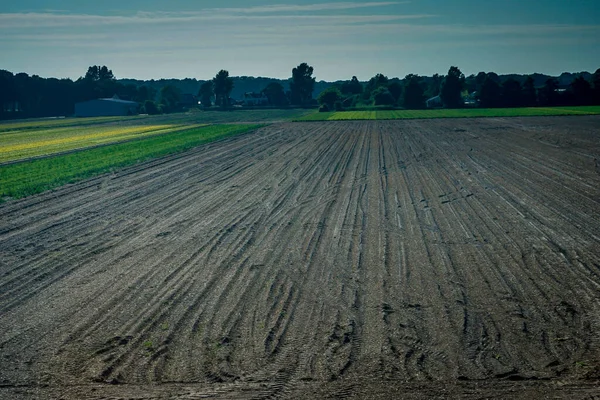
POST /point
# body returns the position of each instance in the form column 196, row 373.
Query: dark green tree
column 169, row 98
column 329, row 97
column 452, row 87
column 549, row 93
column 395, row 88
column 99, row 81
column 206, row 93
column 145, row 93
column 512, row 94
column 581, row 91
column 222, row 85
column 479, row 80
column 97, row 73
column 151, row 108
column 375, row 82
column 433, row 88
column 490, row 92
column 302, row 85
column 414, row 95
column 128, row 92
column 8, row 94
column 352, row 87
column 276, row 94
column 596, row 84
column 529, row 93
column 383, row 97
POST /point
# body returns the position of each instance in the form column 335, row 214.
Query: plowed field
column 374, row 259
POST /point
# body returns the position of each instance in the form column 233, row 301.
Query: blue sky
column 148, row 39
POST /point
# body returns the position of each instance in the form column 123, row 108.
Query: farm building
column 106, row 107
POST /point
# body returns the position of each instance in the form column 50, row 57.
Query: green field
column 449, row 113
column 34, row 176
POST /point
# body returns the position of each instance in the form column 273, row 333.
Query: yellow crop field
column 27, row 143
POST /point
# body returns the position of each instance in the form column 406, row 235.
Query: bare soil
column 391, row 259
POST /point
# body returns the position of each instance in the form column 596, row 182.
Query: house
column 106, row 107
column 255, row 99
column 434, row 102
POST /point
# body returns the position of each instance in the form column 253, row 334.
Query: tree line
column 25, row 96
column 302, row 83
column 454, row 90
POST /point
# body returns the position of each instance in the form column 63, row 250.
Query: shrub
column 329, row 97
column 383, row 97
column 151, row 108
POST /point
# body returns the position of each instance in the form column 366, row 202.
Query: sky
column 152, row 39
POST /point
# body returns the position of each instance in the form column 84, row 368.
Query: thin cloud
column 47, row 20
column 270, row 9
column 310, row 7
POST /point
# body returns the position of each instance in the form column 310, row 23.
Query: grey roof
column 118, row 101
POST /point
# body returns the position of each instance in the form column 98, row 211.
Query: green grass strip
column 35, row 176
column 41, row 123
column 450, row 113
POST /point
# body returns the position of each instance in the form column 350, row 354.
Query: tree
column 151, row 108
column 489, row 94
column 99, row 81
column 169, row 98
column 330, row 97
column 512, row 95
column 96, row 73
column 302, row 85
column 8, row 93
column 434, row 86
column 145, row 93
column 206, row 94
column 529, row 93
column 375, row 82
column 128, row 92
column 222, row 85
column 414, row 97
column 352, row 87
column 395, row 89
column 596, row 83
column 548, row 94
column 276, row 95
column 383, row 97
column 452, row 87
column 581, row 90
column 479, row 80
